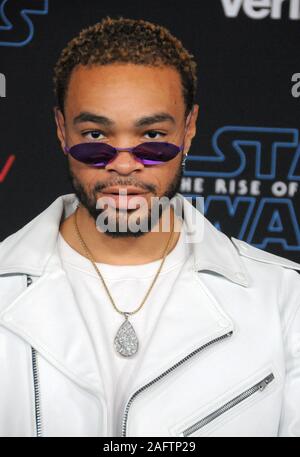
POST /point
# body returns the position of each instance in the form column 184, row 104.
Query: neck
column 123, row 250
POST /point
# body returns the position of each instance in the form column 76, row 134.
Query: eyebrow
column 142, row 122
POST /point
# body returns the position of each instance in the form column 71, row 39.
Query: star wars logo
column 16, row 24
column 250, row 182
column 261, row 9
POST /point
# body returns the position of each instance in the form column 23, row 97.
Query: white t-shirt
column 128, row 285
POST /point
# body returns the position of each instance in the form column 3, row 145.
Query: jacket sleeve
column 290, row 414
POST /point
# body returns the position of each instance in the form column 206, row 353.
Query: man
column 115, row 319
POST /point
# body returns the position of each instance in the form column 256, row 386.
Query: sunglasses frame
column 129, row 149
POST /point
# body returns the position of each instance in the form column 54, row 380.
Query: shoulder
column 268, row 269
column 258, row 255
column 276, row 276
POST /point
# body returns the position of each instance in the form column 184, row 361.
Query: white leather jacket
column 224, row 359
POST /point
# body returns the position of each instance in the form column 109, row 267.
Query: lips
column 123, row 196
column 124, row 191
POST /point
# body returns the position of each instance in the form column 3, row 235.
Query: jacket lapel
column 47, row 316
column 190, row 318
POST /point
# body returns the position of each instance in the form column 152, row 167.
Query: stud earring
column 183, row 162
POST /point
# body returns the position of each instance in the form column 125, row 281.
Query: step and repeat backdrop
column 245, row 160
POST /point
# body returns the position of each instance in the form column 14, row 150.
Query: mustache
column 124, row 182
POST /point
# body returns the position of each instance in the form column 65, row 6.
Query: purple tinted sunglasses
column 100, row 154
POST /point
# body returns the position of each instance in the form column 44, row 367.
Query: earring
column 183, row 162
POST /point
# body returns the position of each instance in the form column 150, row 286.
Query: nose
column 124, row 163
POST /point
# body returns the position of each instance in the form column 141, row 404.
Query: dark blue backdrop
column 245, row 159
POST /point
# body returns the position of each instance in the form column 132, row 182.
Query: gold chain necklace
column 126, row 342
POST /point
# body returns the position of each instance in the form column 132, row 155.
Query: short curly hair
column 125, row 41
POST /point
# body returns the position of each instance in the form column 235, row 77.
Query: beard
column 114, row 226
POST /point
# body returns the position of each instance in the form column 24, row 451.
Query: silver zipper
column 260, row 386
column 165, row 373
column 36, row 383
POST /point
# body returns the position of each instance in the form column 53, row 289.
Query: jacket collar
column 32, row 249
column 48, row 317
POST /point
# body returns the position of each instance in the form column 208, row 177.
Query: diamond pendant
column 126, row 342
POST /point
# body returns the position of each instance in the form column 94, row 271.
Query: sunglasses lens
column 96, row 154
column 99, row 154
column 153, row 153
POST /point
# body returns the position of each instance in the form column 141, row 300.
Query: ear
column 191, row 127
column 60, row 127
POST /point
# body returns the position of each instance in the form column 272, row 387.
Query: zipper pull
column 263, row 385
column 265, row 382
column 29, row 280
